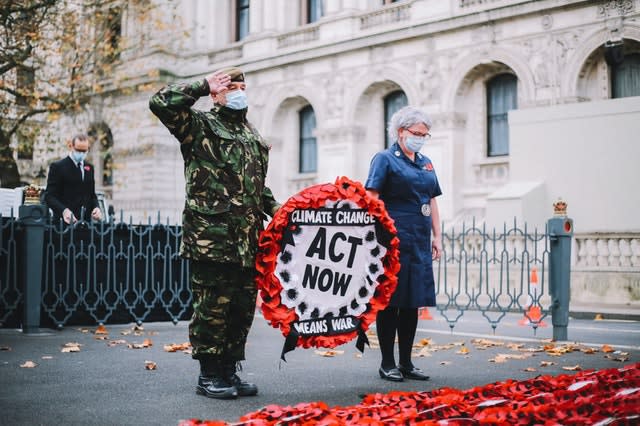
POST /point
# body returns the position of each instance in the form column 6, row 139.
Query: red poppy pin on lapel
column 428, row 167
column 87, row 168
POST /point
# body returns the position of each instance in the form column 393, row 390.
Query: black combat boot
column 212, row 383
column 244, row 388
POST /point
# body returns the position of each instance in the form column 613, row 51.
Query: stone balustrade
column 225, row 54
column 301, row 36
column 387, row 15
column 607, row 252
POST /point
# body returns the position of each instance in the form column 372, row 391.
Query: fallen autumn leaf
column 71, row 347
column 572, row 368
column 607, row 349
column 422, row 343
column 29, row 364
column 175, row 347
column 329, row 353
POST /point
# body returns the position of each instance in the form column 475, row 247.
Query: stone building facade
column 323, row 75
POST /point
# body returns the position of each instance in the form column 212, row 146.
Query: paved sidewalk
column 109, row 385
column 626, row 312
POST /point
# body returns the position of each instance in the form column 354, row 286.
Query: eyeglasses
column 427, row 135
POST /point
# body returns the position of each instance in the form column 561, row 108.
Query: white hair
column 405, row 118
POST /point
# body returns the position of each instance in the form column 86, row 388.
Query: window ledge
column 302, row 181
column 490, row 161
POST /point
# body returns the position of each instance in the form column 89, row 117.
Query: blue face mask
column 414, row 143
column 78, row 156
column 237, row 100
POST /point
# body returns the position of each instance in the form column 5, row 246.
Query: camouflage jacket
column 225, row 166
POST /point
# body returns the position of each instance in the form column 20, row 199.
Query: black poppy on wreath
column 329, row 278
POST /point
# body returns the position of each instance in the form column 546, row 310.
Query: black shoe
column 216, row 387
column 392, row 374
column 244, row 388
column 412, row 373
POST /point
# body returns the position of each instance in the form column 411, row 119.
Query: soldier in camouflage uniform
column 225, row 163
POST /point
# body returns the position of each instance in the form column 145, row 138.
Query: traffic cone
column 533, row 315
column 424, row 314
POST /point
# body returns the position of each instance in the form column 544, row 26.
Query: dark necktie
column 80, row 170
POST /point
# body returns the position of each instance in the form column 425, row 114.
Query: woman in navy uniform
column 405, row 180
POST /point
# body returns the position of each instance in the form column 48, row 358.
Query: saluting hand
column 218, row 82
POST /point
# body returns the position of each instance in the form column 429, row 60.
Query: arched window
column 308, row 148
column 242, row 19
column 502, row 96
column 625, row 77
column 102, row 139
column 392, row 103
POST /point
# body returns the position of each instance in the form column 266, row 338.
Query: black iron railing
column 98, row 272
column 53, row 274
column 494, row 272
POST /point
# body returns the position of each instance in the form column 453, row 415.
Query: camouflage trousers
column 224, row 302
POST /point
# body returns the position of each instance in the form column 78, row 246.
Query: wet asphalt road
column 109, row 385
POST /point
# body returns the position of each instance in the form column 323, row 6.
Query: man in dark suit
column 71, row 185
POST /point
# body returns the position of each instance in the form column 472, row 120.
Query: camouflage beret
column 235, row 73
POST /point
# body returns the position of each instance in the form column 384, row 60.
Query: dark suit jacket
column 67, row 190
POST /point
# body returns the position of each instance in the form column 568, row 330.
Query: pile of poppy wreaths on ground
column 606, row 397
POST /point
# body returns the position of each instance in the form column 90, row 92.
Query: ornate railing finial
column 560, row 208
column 32, row 194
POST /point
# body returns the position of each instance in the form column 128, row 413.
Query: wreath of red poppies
column 269, row 286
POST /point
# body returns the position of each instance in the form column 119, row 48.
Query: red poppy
column 87, row 168
column 429, row 167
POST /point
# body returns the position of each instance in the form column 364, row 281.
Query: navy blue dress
column 406, row 187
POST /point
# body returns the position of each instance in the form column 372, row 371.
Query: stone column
column 447, row 151
column 256, row 10
column 332, row 7
column 337, row 153
column 270, row 17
